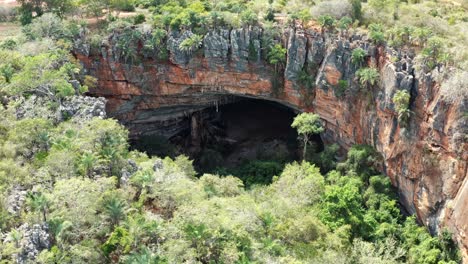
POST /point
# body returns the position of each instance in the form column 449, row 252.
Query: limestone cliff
column 425, row 159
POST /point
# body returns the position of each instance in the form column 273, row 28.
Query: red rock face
column 425, row 159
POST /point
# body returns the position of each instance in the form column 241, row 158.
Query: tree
column 86, row 163
column 191, row 43
column 368, row 76
column 248, row 17
column 326, row 22
column 59, row 7
column 307, row 124
column 6, row 71
column 38, row 202
column 344, row 23
column 114, row 208
column 401, row 99
column 356, row 9
column 277, row 55
column 376, row 33
column 357, row 56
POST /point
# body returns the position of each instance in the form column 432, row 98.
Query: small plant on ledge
column 401, row 99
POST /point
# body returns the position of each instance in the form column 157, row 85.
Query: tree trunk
column 306, row 140
column 44, row 215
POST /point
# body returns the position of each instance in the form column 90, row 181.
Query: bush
column 334, row 8
column 9, row 44
column 368, row 76
column 47, row 26
column 376, row 33
column 123, row 5
column 7, row 14
column 341, row 88
column 456, row 86
column 191, row 43
column 138, row 19
column 357, row 56
column 401, row 99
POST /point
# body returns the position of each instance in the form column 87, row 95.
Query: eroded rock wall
column 425, row 159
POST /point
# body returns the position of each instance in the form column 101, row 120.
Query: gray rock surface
column 177, row 56
column 15, row 200
column 82, row 107
column 296, row 55
column 34, row 239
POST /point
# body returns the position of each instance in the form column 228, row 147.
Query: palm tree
column 115, row 209
column 60, row 230
column 357, row 56
column 368, row 76
column 87, row 162
column 191, row 43
column 38, row 202
column 15, row 236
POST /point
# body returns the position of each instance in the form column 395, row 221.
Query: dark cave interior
column 222, row 139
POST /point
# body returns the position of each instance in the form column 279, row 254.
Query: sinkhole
column 248, row 138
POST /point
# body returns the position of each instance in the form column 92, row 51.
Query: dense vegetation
column 72, row 168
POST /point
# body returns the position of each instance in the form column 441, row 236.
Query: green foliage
column 368, row 76
column 38, row 202
column 248, row 17
column 71, row 169
column 376, row 33
column 344, row 23
column 307, row 124
column 127, row 45
column 341, row 89
column 306, row 79
column 356, row 9
column 257, row 172
column 191, row 43
column 401, row 99
column 277, row 55
column 358, row 56
column 6, row 71
column 138, row 19
column 327, row 22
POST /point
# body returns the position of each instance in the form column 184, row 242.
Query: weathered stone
column 82, row 107
column 34, row 239
column 296, row 55
column 177, row 56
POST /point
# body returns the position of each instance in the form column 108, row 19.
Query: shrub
column 456, row 86
column 277, row 55
column 341, row 89
column 326, row 22
column 306, row 79
column 9, row 44
column 368, row 76
column 357, row 56
column 334, row 8
column 138, row 19
column 248, row 17
column 356, row 9
column 191, row 43
column 401, row 99
column 376, row 33
column 46, row 26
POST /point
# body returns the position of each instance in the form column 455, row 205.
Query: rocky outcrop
column 81, row 107
column 33, row 239
column 425, row 158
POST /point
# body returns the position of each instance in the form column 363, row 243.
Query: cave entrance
column 246, row 137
